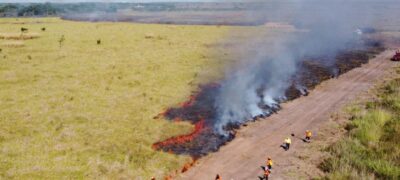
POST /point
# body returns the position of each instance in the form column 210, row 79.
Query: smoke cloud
column 257, row 84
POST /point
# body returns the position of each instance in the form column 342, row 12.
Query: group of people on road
column 267, row 169
column 269, row 163
column 286, row 145
column 288, row 141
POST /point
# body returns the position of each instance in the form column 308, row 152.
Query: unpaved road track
column 241, row 159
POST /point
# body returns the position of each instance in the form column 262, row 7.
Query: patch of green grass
column 371, row 149
column 77, row 109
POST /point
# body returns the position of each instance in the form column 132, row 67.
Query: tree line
column 56, row 9
column 14, row 10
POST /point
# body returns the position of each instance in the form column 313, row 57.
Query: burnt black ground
column 201, row 104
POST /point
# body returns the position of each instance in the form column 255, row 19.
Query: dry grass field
column 77, row 99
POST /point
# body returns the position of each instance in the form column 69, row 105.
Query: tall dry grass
column 85, row 111
column 19, row 36
column 13, row 44
column 371, row 149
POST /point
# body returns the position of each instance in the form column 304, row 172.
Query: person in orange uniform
column 308, row 135
column 218, row 177
column 269, row 163
column 267, row 172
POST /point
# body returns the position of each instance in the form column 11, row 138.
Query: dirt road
column 241, row 159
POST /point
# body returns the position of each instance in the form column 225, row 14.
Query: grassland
column 71, row 108
column 371, row 149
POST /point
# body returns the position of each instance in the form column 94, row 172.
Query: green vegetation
column 72, row 108
column 371, row 148
column 8, row 10
column 35, row 9
column 52, row 9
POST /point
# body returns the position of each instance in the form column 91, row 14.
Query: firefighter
column 287, row 143
column 308, row 135
column 267, row 172
column 269, row 163
column 218, row 177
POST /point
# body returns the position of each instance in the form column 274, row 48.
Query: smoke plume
column 257, row 84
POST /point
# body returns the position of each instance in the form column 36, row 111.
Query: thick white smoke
column 262, row 78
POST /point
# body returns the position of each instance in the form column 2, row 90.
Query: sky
column 63, row 1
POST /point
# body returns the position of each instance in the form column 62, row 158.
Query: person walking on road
column 269, row 163
column 267, row 172
column 287, row 143
column 308, row 135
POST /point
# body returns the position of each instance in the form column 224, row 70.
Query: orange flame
column 189, row 102
column 188, row 165
column 182, row 138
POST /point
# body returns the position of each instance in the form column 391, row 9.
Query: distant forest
column 55, row 9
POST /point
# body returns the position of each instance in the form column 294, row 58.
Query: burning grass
column 81, row 110
column 200, row 108
column 198, row 128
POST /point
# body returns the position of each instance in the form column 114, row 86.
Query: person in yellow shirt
column 308, row 135
column 287, row 143
column 269, row 163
